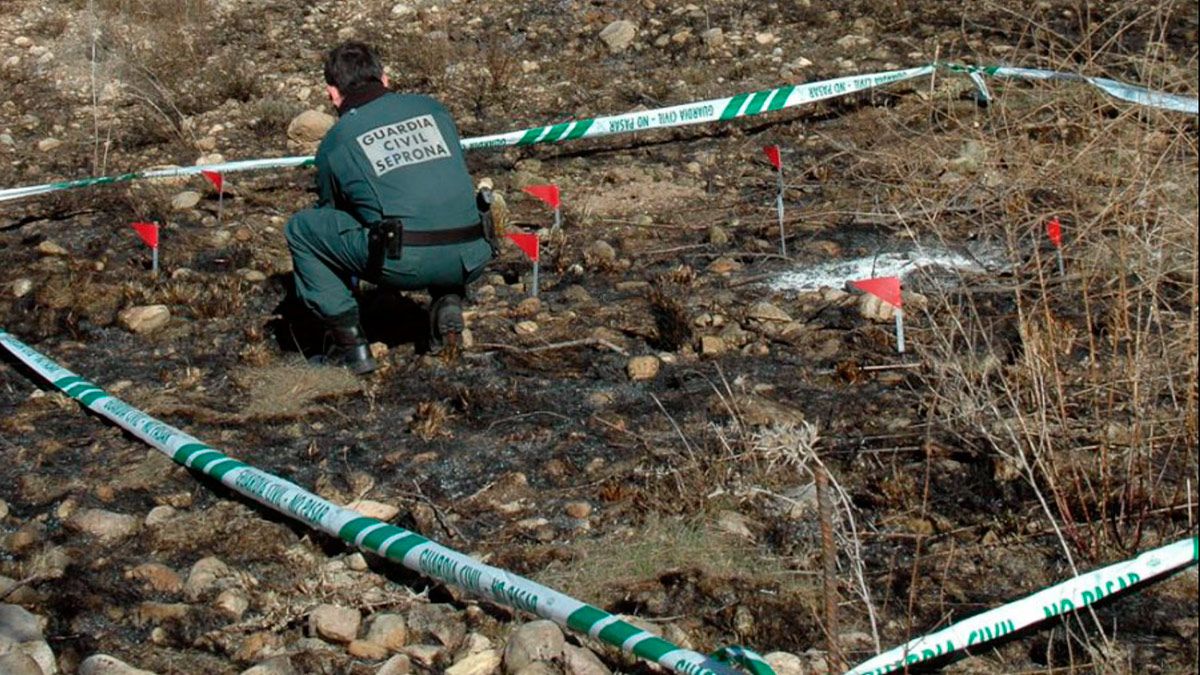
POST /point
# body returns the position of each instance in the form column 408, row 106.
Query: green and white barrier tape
column 1071, row 595
column 699, row 112
column 394, row 543
column 176, row 172
column 715, row 110
column 1120, row 90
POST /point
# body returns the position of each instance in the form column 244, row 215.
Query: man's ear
column 335, row 96
column 385, row 81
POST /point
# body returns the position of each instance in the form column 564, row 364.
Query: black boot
column 350, row 350
column 446, row 323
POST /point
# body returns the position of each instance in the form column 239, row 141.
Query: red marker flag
column 148, row 232
column 1054, row 231
column 884, row 288
column 773, row 155
column 528, row 243
column 546, row 193
column 215, row 178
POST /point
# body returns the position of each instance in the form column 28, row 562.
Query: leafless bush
column 1084, row 385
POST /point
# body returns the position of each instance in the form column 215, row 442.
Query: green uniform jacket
column 398, row 155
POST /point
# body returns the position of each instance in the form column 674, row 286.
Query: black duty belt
column 387, row 238
column 457, row 235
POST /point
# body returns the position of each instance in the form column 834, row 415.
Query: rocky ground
column 645, row 434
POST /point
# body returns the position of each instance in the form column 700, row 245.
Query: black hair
column 352, row 65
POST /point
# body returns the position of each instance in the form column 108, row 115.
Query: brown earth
column 1034, row 417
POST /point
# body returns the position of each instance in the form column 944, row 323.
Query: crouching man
column 395, row 206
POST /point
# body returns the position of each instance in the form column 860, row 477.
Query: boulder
column 531, row 642
column 232, row 602
column 618, row 35
column 440, row 622
column 579, row 510
column 188, row 199
column 103, row 664
column 21, row 287
column 334, row 623
column 712, row 345
column 204, row 575
column 643, row 368
column 581, row 661
column 144, row 319
column 784, row 663
column 17, row 662
column 105, row 525
column 310, row 126
column 389, row 630
column 365, row 649
column 600, row 252
column 18, row 624
column 51, row 249
column 158, row 577
column 765, row 311
column 485, row 662
column 400, row 664
column 373, row 509
column 874, row 309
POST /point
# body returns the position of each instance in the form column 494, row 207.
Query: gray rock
column 21, row 287
column 577, row 294
column 49, row 145
column 159, row 515
column 712, row 345
column 874, row 309
column 204, row 576
column 50, row 248
column 373, row 509
column 280, row 665
column 581, row 661
column 643, row 368
column 233, row 603
column 18, row 624
column 400, row 664
column 618, row 35
column 105, row 525
column 144, row 318
column 334, row 623
column 17, row 662
column 785, row 664
column 439, row 622
column 310, row 126
column 103, row 664
column 534, row 641
column 425, row 655
column 713, row 37
column 485, row 662
column 600, row 251
column 854, row 42
column 41, row 654
column 389, row 630
column 185, row 200
column 765, row 311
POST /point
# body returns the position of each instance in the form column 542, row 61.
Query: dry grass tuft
column 289, row 391
column 662, row 545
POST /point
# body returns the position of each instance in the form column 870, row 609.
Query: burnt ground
column 1091, row 378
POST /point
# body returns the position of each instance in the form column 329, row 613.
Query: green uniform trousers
column 329, row 247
